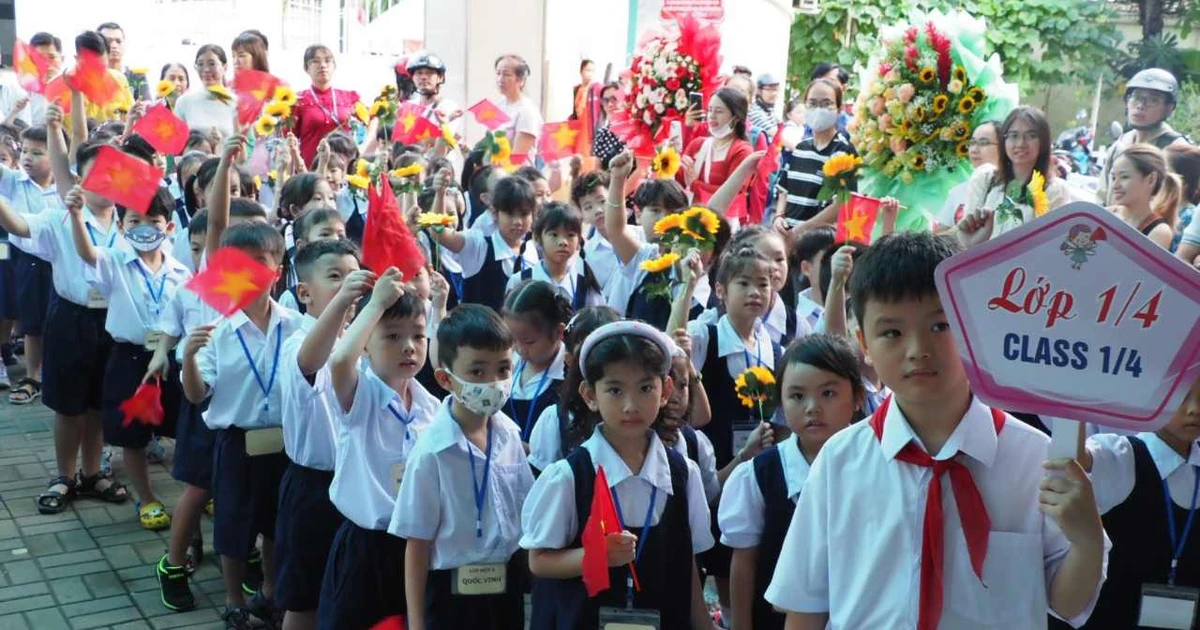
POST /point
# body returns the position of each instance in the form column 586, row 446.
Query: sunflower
column 362, row 113
column 1037, row 194
column 905, row 128
column 358, row 182
column 662, row 263
column 279, row 110
column 164, row 88
column 962, row 148
column 284, row 94
column 220, row 93
column 362, row 169
column 257, row 181
column 141, row 71
column 841, row 163
column 501, row 150
column 918, row 162
column 960, row 73
column 754, row 386
column 376, row 108
column 966, row 105
column 448, row 136
column 976, row 94
column 666, row 163
column 266, row 125
column 961, row 130
column 700, row 224
column 919, row 113
column 927, row 75
column 407, row 171
column 939, row 104
column 436, row 220
column 668, row 223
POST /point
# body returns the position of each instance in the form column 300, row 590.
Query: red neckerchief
column 971, row 511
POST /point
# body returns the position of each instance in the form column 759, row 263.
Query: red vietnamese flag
column 253, row 89
column 395, row 622
column 231, row 281
column 31, row 67
column 163, row 130
column 124, row 179
column 91, row 76
column 560, row 140
column 386, row 240
column 412, row 126
column 487, row 114
column 145, row 406
column 856, row 219
column 770, row 162
column 602, row 521
column 57, row 91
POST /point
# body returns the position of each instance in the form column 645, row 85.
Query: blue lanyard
column 403, row 420
column 480, row 489
column 162, row 286
column 554, row 282
column 527, row 428
column 92, row 235
column 1178, row 543
column 265, row 387
column 332, row 115
column 757, row 353
column 641, row 543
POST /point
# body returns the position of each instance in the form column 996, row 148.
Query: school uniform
column 240, row 365
column 487, row 263
column 445, row 264
column 579, row 286
column 547, row 438
column 136, row 297
column 468, row 503
column 307, row 519
column 76, row 345
column 426, row 374
column 484, row 223
column 533, row 393
column 33, row 285
column 599, row 254
column 870, row 523
column 193, row 459
column 663, row 505
column 353, row 209
column 1130, row 475
column 756, row 508
column 873, row 397
column 808, row 314
column 364, row 576
column 629, row 292
column 779, row 322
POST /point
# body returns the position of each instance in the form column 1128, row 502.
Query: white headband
column 625, row 327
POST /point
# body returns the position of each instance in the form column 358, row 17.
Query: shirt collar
column 975, row 434
column 776, row 319
column 239, row 319
column 655, row 470
column 1166, row 460
column 501, row 248
column 795, row 467
column 169, row 266
column 445, row 432
column 728, row 342
column 805, row 304
column 421, row 398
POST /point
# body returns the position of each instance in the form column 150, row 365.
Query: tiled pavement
column 92, row 565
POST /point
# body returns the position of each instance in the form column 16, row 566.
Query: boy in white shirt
column 1013, row 543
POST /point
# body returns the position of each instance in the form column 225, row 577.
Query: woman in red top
column 321, row 109
column 707, row 162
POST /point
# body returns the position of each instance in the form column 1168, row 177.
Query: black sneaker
column 265, row 610
column 254, row 573
column 173, row 586
column 239, row 619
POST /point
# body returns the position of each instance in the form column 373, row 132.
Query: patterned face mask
column 484, row 399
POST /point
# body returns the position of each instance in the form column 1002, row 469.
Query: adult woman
column 1004, row 190
column 250, row 52
column 803, row 175
column 707, row 162
column 178, row 75
column 199, row 108
column 587, row 68
column 524, row 120
column 983, row 148
column 1146, row 194
column 1185, row 162
column 321, row 109
column 607, row 145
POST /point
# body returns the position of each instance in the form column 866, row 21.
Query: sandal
column 114, row 492
column 26, row 391
column 153, row 516
column 52, row 501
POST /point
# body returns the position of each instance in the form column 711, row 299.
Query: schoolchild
column 805, row 262
column 460, row 501
column 658, row 494
column 1014, row 534
column 300, row 194
column 820, row 391
column 557, row 235
column 314, row 224
column 780, row 319
column 687, row 407
column 537, row 315
column 588, row 194
column 839, row 319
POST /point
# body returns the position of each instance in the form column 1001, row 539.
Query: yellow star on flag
column 409, row 121
column 164, row 129
column 236, row 284
column 854, row 227
column 26, row 66
column 487, row 114
column 564, row 136
column 122, row 179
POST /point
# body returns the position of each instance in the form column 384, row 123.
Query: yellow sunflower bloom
column 266, row 126
column 662, row 263
column 284, row 94
column 221, row 93
column 358, row 182
column 448, row 137
column 666, row 164
column 919, row 113
column 434, row 219
column 961, row 130
column 375, row 109
column 362, row 169
column 966, row 105
column 141, row 71
column 164, row 88
column 976, row 94
column 278, row 109
column 927, row 75
column 918, row 162
column 1037, row 193
column 257, row 181
column 754, row 386
column 962, row 149
column 667, row 223
column 362, row 113
column 841, row 163
column 408, row 171
column 700, row 223
column 960, row 73
column 939, row 104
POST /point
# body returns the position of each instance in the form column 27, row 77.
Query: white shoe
column 4, row 382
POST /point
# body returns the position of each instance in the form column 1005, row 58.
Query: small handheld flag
column 163, row 130
column 31, row 67
column 91, row 76
column 145, row 406
column 124, row 179
column 488, row 114
column 253, row 88
column 602, row 521
column 561, row 140
column 387, row 242
column 856, row 219
column 412, row 126
column 231, row 281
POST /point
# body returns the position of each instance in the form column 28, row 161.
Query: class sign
column 1076, row 315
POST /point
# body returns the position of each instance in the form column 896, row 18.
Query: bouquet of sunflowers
column 839, row 172
column 277, row 115
column 755, row 388
column 680, row 234
column 384, row 108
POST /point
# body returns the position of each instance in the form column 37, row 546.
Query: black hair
column 36, row 133
column 307, row 256
column 1036, row 119
column 898, row 267
column 809, row 246
column 838, row 93
column 514, row 195
column 739, row 108
column 825, row 67
column 246, row 184
column 664, row 193
column 408, row 158
column 540, row 303
column 738, row 262
column 162, row 204
column 216, row 51
column 46, row 39
column 408, row 305
column 477, row 185
column 86, row 153
column 556, row 215
column 343, row 145
column 309, row 219
column 246, row 208
column 530, row 174
column 108, row 130
column 136, row 146
column 91, row 41
column 425, row 199
column 634, row 349
column 187, row 161
column 195, row 139
column 253, row 236
column 187, row 77
column 585, row 63
column 587, row 183
column 310, row 53
column 109, row 26
column 749, row 235
column 199, row 223
column 829, row 353
column 826, row 273
column 206, row 173
column 297, row 191
column 574, row 416
column 437, row 164
column 470, row 326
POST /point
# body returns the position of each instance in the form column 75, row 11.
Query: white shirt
column 181, row 247
column 528, row 385
column 870, row 523
column 437, row 498
column 523, row 116
column 485, row 222
column 445, row 258
column 372, row 441
column 50, row 239
column 738, row 355
column 629, row 277
column 310, row 411
column 182, row 314
column 1114, row 475
column 474, row 253
column 136, row 296
column 706, row 462
column 568, row 286
column 600, row 256
column 808, row 313
column 10, row 94
column 25, row 195
column 957, row 197
column 237, row 396
column 548, row 519
column 202, row 112
column 545, row 441
column 742, row 509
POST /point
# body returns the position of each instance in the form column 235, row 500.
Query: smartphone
column 676, row 135
column 696, row 100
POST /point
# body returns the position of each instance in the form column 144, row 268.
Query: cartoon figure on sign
column 1081, row 244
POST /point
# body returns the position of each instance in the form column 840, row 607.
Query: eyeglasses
column 608, row 100
column 827, row 104
column 1146, row 100
column 981, row 143
column 1016, row 137
column 208, row 65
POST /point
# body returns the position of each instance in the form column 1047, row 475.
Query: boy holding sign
column 996, row 545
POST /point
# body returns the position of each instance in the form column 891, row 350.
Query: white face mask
column 820, row 119
column 145, row 238
column 484, row 399
column 720, row 132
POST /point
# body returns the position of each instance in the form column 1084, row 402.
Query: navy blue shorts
column 446, row 611
column 8, row 288
column 246, row 493
column 715, row 561
column 364, row 579
column 193, row 462
column 304, row 533
column 75, row 353
column 127, row 365
column 35, row 289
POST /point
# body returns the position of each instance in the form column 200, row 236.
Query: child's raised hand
column 622, row 165
column 323, row 148
column 889, row 211
column 976, row 227
column 233, row 149
column 442, row 180
column 74, row 200
column 761, row 438
column 198, row 338
column 692, row 268
column 1066, row 496
column 388, row 288
column 621, row 548
column 214, row 137
column 683, row 340
column 356, row 284
column 54, row 116
column 841, row 264
column 439, row 289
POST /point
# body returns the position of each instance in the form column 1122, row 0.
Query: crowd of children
column 373, row 446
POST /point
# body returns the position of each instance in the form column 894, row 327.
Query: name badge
column 741, row 435
column 264, row 441
column 96, row 299
column 1170, row 607
column 5, row 252
column 152, row 340
column 479, row 579
column 629, row 619
column 397, row 477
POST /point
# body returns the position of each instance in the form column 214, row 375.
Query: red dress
column 703, row 187
column 317, row 113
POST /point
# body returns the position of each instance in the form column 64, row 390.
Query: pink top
column 319, row 112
